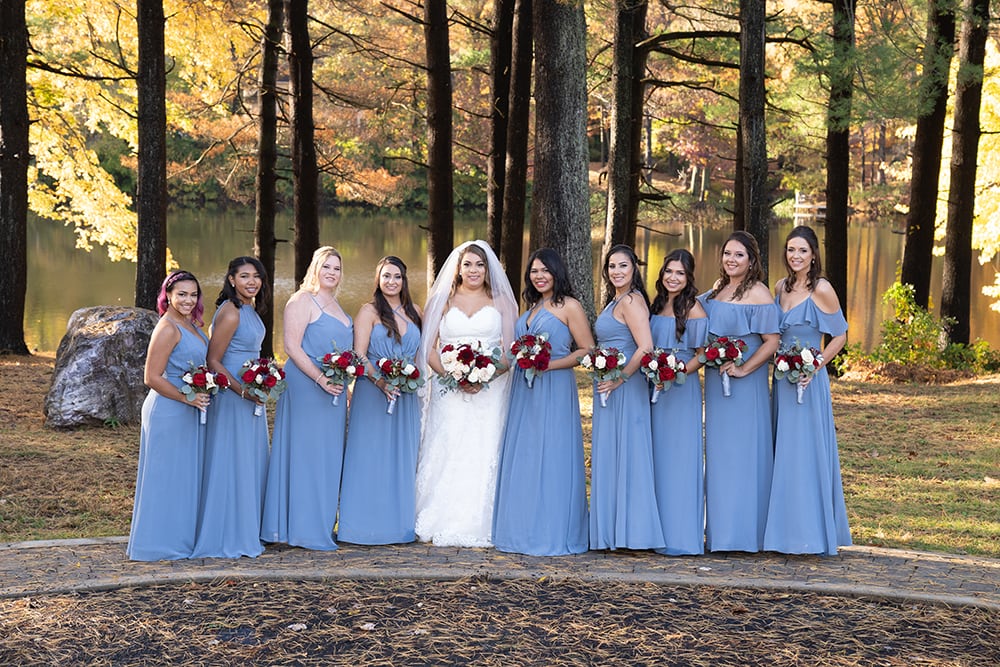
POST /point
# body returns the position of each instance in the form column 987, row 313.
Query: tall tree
column 501, row 47
column 752, row 130
column 933, row 93
column 560, row 216
column 151, row 189
column 957, row 282
column 13, row 175
column 304, row 167
column 264, row 241
column 440, row 185
column 838, row 146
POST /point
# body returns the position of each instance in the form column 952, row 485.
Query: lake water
column 62, row 278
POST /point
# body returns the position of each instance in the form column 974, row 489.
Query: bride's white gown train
column 460, row 445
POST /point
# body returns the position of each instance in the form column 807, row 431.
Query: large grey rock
column 99, row 367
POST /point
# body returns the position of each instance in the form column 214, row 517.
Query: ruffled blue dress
column 377, row 496
column 235, row 457
column 679, row 444
column 171, row 451
column 541, row 501
column 807, row 513
column 623, row 512
column 738, row 444
column 307, row 448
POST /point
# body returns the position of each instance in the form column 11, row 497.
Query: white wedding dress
column 460, row 445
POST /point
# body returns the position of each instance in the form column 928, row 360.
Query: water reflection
column 62, row 278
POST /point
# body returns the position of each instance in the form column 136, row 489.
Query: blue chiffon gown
column 541, row 502
column 235, row 457
column 679, row 444
column 807, row 513
column 171, row 450
column 623, row 512
column 378, row 496
column 307, row 448
column 739, row 449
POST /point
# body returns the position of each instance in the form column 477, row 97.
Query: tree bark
column 440, row 195
column 752, row 127
column 933, row 92
column 560, row 217
column 264, row 241
column 501, row 46
column 13, row 175
column 957, row 282
column 151, row 188
column 516, row 166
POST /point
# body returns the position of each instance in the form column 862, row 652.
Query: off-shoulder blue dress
column 679, row 443
column 738, row 444
column 235, row 457
column 807, row 513
column 541, row 502
column 377, row 496
column 171, row 454
column 307, row 448
column 623, row 512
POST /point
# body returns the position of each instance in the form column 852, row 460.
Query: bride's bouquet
column 264, row 379
column 794, row 362
column 200, row 380
column 532, row 354
column 605, row 363
column 468, row 364
column 663, row 369
column 718, row 351
column 341, row 368
column 402, row 375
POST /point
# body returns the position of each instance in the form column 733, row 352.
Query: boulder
column 99, row 368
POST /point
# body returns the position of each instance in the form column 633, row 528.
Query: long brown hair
column 385, row 314
column 687, row 297
column 807, row 234
column 755, row 272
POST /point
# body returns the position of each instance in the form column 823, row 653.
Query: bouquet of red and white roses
column 795, row 362
column 200, row 380
column 401, row 374
column 263, row 379
column 663, row 369
column 341, row 368
column 605, row 363
column 467, row 364
column 532, row 354
column 721, row 349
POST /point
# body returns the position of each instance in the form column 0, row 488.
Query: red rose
column 711, row 353
column 667, row 374
column 524, row 363
column 222, row 380
column 343, row 361
column 612, row 361
column 732, row 352
column 199, row 379
column 448, row 348
column 248, row 375
column 386, row 366
column 646, row 358
column 359, row 370
column 327, row 358
column 415, row 374
column 466, row 355
column 542, row 360
column 270, row 381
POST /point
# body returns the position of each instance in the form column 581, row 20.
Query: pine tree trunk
column 754, row 140
column 501, row 46
column 440, row 198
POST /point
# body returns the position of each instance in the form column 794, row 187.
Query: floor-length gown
column 171, row 450
column 623, row 512
column 807, row 513
column 679, row 444
column 541, row 502
column 235, row 457
column 738, row 444
column 307, row 448
column 377, row 496
column 460, row 444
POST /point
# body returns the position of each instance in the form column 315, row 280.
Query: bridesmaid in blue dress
column 377, row 496
column 236, row 443
column 307, row 449
column 679, row 324
column 739, row 449
column 541, row 501
column 623, row 512
column 172, row 439
column 807, row 513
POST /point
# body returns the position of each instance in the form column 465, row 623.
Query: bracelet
column 243, row 392
column 317, row 379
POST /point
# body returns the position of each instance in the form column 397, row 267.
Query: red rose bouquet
column 263, row 379
column 718, row 351
column 605, row 363
column 402, row 375
column 795, row 362
column 341, row 368
column 467, row 364
column 663, row 369
column 532, row 354
column 200, row 380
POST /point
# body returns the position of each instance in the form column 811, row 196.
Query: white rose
column 490, row 371
column 782, row 366
column 672, row 361
column 209, row 381
column 586, row 361
column 408, row 370
column 350, row 370
column 474, row 376
column 600, row 363
column 807, row 356
column 259, row 379
column 653, row 365
column 187, row 378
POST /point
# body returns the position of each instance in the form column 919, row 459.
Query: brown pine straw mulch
column 893, row 373
column 486, row 622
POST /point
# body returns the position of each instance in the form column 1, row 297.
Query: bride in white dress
column 471, row 300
